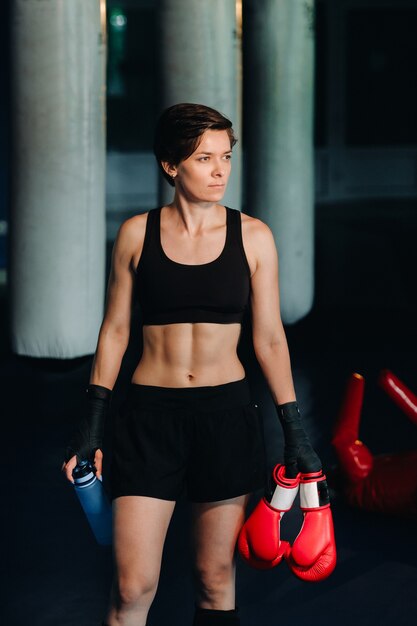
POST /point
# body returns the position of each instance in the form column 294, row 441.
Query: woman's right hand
column 69, row 466
column 87, row 441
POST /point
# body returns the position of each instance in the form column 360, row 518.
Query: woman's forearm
column 299, row 455
column 111, row 347
column 274, row 360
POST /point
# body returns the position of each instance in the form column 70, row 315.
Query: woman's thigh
column 216, row 526
column 140, row 525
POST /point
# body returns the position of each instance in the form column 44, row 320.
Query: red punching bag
column 382, row 483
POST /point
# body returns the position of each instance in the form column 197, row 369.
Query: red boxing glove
column 259, row 542
column 313, row 554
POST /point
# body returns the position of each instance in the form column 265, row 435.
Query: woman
column 188, row 423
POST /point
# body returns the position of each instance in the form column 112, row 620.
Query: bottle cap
column 84, row 474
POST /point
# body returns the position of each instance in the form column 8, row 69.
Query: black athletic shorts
column 204, row 442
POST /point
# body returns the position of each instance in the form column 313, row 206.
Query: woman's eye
column 203, row 159
column 228, row 157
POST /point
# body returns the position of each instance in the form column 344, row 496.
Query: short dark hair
column 180, row 128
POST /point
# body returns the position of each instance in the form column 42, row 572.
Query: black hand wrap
column 299, row 455
column 90, row 432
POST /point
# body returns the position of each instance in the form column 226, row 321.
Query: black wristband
column 90, row 432
column 299, row 455
column 97, row 391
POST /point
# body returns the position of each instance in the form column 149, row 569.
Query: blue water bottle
column 94, row 501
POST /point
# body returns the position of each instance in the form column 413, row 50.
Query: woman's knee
column 215, row 580
column 135, row 592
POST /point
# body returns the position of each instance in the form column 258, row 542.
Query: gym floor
column 363, row 319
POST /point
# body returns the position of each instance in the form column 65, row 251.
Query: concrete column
column 57, row 242
column 279, row 74
column 200, row 57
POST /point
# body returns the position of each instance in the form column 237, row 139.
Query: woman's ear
column 170, row 169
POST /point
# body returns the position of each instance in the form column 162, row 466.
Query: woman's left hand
column 299, row 455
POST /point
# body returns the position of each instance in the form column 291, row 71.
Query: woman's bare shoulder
column 129, row 240
column 134, row 224
column 258, row 241
column 255, row 230
column 132, row 230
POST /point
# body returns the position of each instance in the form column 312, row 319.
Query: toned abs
column 192, row 354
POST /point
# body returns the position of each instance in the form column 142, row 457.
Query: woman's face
column 203, row 176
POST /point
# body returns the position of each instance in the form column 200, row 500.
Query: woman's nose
column 219, row 170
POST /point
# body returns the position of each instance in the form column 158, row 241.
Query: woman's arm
column 114, row 332
column 269, row 340
column 86, row 442
column 272, row 353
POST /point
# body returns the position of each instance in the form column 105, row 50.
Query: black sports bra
column 172, row 293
